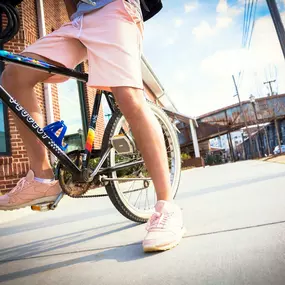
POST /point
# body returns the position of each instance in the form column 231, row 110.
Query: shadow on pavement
column 25, row 227
column 228, row 186
column 28, row 250
column 120, row 254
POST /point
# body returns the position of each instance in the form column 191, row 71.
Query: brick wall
column 16, row 166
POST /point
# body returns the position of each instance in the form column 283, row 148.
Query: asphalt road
column 235, row 220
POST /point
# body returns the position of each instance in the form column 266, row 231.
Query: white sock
column 46, row 181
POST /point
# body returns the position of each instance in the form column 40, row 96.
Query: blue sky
column 194, row 47
column 70, row 106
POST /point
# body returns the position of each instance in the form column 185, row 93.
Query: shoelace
column 158, row 221
column 19, row 187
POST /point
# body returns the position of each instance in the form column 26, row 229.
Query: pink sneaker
column 165, row 227
column 28, row 192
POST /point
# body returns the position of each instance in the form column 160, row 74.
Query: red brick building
column 71, row 95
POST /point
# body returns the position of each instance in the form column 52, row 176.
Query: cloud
column 223, row 22
column 178, row 23
column 225, row 62
column 197, row 74
column 169, row 41
column 224, row 19
column 263, row 61
column 203, row 30
column 180, row 76
column 189, row 7
column 222, row 6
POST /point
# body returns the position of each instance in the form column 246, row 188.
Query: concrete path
column 234, row 214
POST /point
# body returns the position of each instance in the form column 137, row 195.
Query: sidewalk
column 10, row 216
column 275, row 158
column 235, row 220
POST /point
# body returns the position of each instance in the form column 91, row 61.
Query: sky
column 70, row 106
column 195, row 46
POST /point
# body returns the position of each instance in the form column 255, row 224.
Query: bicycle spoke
column 131, row 191
column 138, row 198
column 140, row 203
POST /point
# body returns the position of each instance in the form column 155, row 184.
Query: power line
column 248, row 28
column 244, row 19
column 253, row 24
column 248, row 24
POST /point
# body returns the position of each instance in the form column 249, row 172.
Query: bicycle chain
column 92, row 196
column 105, row 195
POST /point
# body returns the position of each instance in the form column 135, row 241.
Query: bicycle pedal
column 44, row 207
column 122, row 144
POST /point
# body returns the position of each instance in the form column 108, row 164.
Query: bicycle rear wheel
column 136, row 198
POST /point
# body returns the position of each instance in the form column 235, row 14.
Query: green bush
column 185, row 156
column 213, row 159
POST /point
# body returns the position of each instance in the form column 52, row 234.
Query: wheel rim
column 139, row 196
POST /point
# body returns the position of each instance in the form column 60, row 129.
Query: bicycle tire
column 114, row 193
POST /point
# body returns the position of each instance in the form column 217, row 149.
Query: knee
column 131, row 102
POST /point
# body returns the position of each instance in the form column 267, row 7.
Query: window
column 71, row 113
column 4, row 134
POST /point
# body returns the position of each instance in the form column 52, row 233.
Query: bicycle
column 118, row 165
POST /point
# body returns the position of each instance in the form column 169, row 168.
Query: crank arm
column 59, row 197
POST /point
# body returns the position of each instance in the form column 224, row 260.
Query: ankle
column 43, row 174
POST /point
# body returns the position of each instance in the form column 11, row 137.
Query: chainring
column 70, row 187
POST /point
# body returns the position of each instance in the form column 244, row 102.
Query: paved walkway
column 234, row 214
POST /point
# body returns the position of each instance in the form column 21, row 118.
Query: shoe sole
column 50, row 199
column 171, row 245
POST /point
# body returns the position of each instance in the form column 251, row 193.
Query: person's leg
column 165, row 227
column 118, row 67
column 38, row 186
column 60, row 48
column 148, row 136
column 19, row 82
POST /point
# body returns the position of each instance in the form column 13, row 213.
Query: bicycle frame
column 25, row 117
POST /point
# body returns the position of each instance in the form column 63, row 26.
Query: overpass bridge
column 230, row 118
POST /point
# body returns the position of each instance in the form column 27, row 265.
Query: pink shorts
column 110, row 38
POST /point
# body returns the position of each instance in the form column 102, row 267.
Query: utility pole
column 269, row 82
column 259, row 141
column 277, row 133
column 267, row 140
column 232, row 153
column 244, row 118
column 244, row 149
column 277, row 23
column 275, row 120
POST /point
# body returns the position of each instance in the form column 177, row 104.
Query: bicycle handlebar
column 12, row 27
